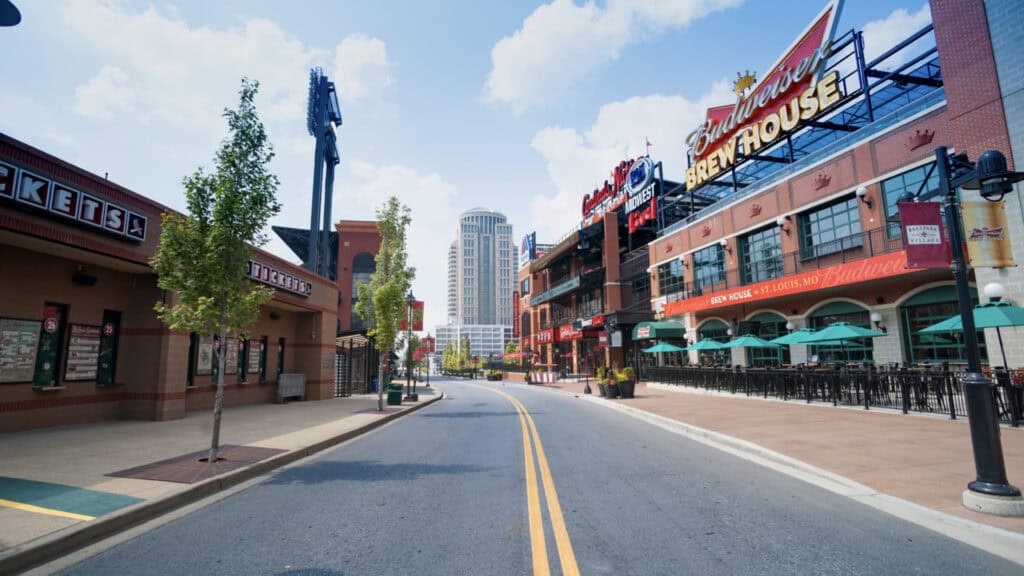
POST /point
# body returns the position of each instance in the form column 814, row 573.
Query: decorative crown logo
column 668, row 247
column 821, row 180
column 706, row 230
column 920, row 138
column 743, row 82
column 755, row 210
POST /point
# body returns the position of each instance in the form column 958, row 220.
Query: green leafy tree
column 511, row 347
column 202, row 257
column 411, row 344
column 381, row 303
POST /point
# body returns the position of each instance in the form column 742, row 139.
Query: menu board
column 231, row 361
column 83, row 352
column 255, row 350
column 204, row 359
column 19, row 343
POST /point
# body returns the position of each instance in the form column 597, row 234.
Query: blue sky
column 518, row 106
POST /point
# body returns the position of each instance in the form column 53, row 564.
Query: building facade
column 806, row 229
column 79, row 340
column 481, row 283
column 485, row 340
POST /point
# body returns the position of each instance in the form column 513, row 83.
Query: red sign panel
column 598, row 320
column 565, row 332
column 924, row 236
column 545, row 336
column 515, row 314
column 886, row 265
column 417, row 317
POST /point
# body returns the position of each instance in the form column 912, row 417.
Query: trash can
column 394, row 395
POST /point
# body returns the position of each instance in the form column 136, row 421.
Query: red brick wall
column 353, row 237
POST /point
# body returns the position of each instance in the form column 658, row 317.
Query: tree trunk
column 381, row 367
column 218, row 400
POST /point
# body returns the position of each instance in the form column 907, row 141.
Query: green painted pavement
column 62, row 497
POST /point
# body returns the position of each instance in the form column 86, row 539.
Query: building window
column 860, row 350
column 927, row 308
column 909, row 181
column 670, row 277
column 708, row 267
column 642, row 292
column 761, row 255
column 524, row 286
column 831, row 229
column 767, row 326
column 718, row 331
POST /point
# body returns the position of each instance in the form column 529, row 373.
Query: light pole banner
column 924, row 236
column 987, row 235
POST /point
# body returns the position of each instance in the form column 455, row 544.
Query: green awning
column 650, row 330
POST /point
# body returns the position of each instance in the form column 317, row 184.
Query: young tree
column 202, row 257
column 381, row 303
column 511, row 347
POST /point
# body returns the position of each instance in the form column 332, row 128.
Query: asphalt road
column 444, row 491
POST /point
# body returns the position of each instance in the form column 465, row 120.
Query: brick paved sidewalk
column 924, row 459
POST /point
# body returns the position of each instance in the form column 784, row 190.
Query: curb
column 1003, row 543
column 48, row 548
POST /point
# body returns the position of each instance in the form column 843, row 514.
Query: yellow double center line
column 538, row 545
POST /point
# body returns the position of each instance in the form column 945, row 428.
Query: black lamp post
column 409, row 394
column 991, row 176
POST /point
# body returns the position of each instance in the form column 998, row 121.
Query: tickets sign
column 271, row 276
column 32, row 190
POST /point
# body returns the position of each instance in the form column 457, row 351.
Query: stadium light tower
column 323, row 117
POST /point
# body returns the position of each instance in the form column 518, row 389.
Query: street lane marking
column 565, row 552
column 41, row 510
column 538, row 546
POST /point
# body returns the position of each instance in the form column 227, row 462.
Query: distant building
column 481, row 282
column 484, row 339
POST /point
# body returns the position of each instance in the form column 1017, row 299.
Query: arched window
column 861, row 350
column 931, row 307
column 769, row 326
column 713, row 330
column 524, row 325
column 363, row 264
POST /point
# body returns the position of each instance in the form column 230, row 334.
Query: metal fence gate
column 352, row 366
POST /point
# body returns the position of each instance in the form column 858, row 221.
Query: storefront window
column 708, row 267
column 761, row 255
column 769, row 327
column 861, row 350
column 831, row 229
column 931, row 307
column 714, row 330
column 909, row 181
column 670, row 277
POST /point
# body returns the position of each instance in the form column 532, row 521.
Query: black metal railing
column 866, row 244
column 938, row 390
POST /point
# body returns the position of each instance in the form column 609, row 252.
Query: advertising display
column 204, row 359
column 19, row 344
column 255, row 354
column 987, row 234
column 515, row 314
column 83, row 352
column 792, row 92
column 528, row 248
column 924, row 236
column 417, row 317
column 231, row 360
column 545, row 336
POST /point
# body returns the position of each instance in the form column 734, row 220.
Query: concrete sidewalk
column 926, row 460
column 54, row 481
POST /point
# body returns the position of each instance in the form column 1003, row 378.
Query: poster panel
column 19, row 344
column 204, row 359
column 987, row 234
column 83, row 352
column 255, row 353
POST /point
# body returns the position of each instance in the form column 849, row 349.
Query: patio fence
column 938, row 391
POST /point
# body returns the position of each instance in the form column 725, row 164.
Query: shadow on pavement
column 467, row 414
column 366, row 471
column 311, row 572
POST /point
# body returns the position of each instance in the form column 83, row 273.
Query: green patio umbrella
column 664, row 347
column 750, row 341
column 794, row 337
column 706, row 344
column 841, row 332
column 988, row 315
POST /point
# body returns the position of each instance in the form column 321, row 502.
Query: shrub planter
column 613, row 390
column 626, row 388
column 603, row 389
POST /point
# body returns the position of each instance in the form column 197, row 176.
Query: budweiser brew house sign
column 793, row 91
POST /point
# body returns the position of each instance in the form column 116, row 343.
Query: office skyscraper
column 481, row 270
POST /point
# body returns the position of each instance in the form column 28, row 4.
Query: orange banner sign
column 891, row 264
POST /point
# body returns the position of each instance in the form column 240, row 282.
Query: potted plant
column 612, row 385
column 602, row 386
column 627, row 382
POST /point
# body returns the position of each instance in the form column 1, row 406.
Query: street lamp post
column 994, row 180
column 409, row 394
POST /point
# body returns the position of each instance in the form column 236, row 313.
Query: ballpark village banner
column 924, row 236
column 417, row 317
column 884, row 266
column 987, row 235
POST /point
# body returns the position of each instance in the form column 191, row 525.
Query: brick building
column 79, row 340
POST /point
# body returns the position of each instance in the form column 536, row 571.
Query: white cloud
column 105, row 95
column 361, row 67
column 577, row 163
column 881, row 35
column 561, row 43
column 432, row 201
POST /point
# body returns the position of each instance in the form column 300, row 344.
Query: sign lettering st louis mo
column 32, row 190
column 792, row 92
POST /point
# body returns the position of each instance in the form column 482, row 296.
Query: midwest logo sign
column 628, row 178
column 793, row 92
column 32, row 190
